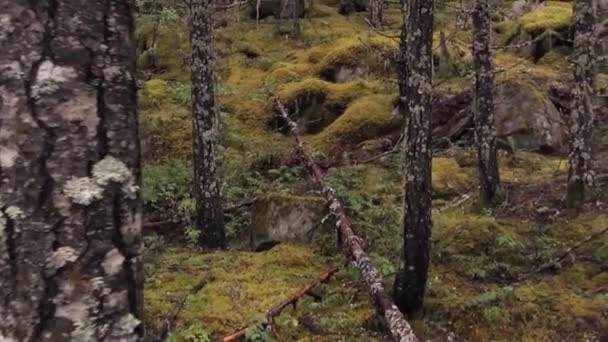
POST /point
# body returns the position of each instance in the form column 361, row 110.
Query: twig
column 169, row 321
column 397, row 325
column 292, row 300
column 557, row 260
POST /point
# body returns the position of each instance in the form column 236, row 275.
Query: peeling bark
column 581, row 174
column 397, row 325
column 70, row 218
column 485, row 130
column 415, row 90
column 205, row 128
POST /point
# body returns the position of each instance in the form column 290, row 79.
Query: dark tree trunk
column 295, row 28
column 415, row 82
column 375, row 12
column 205, row 128
column 581, row 118
column 70, row 218
column 485, row 130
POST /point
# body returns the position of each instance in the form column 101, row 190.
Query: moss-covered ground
column 481, row 286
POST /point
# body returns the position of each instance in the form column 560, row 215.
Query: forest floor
column 484, row 283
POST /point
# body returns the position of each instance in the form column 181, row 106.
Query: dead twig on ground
column 292, row 300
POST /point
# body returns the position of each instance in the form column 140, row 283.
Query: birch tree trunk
column 205, row 128
column 416, row 95
column 485, row 130
column 70, row 218
column 375, row 13
column 581, row 118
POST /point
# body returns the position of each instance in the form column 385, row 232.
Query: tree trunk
column 375, row 13
column 205, row 128
column 485, row 130
column 581, row 118
column 415, row 82
column 70, row 218
column 295, row 28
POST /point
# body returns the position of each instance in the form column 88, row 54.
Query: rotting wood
column 292, row 300
column 394, row 319
column 170, row 319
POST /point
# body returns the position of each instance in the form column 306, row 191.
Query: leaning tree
column 415, row 69
column 581, row 116
column 70, row 218
column 205, row 127
column 485, row 130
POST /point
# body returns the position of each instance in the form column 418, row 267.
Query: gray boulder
column 528, row 119
column 278, row 218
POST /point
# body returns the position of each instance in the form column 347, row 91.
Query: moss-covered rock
column 354, row 57
column 316, row 103
column 366, row 118
column 552, row 15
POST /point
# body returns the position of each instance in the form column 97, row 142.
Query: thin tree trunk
column 399, row 328
column 485, row 130
column 296, row 29
column 581, row 118
column 415, row 82
column 70, row 218
column 205, row 128
column 375, row 12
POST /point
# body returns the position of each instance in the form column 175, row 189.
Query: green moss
column 366, row 118
column 289, row 72
column 554, row 15
column 555, row 60
column 357, row 51
column 530, row 167
column 449, row 178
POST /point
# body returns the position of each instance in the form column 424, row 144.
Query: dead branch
column 169, row 320
column 571, row 249
column 398, row 326
column 292, row 300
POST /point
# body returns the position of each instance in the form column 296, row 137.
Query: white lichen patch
column 112, row 264
column 83, row 190
column 125, row 327
column 78, row 312
column 61, row 257
column 49, row 77
column 14, row 212
column 110, row 169
column 8, row 156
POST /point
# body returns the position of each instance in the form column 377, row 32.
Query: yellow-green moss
column 359, row 51
column 553, row 15
column 332, row 95
column 530, row 167
column 555, row 60
column 449, row 178
column 366, row 118
column 289, row 72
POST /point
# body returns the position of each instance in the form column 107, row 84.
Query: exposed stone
column 278, row 218
column 527, row 119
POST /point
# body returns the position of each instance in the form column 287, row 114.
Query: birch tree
column 205, row 128
column 415, row 90
column 485, row 130
column 375, row 12
column 70, row 219
column 580, row 174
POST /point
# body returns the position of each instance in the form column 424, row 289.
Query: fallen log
column 396, row 323
column 292, row 300
column 169, row 321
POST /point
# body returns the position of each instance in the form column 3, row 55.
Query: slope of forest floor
column 484, row 282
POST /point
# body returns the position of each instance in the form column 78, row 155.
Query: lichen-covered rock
column 278, row 218
column 527, row 119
